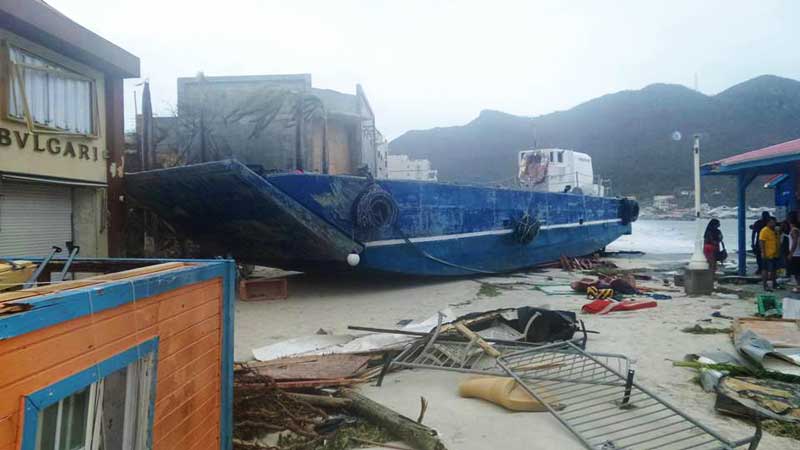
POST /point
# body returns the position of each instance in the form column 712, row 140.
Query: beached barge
column 321, row 222
column 138, row 358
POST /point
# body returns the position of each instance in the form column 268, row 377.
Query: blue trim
column 743, row 180
column 52, row 309
column 228, row 313
column 39, row 400
column 761, row 166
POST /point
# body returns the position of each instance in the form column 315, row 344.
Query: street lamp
column 698, row 279
column 698, row 261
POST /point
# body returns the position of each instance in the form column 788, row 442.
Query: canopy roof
column 768, row 160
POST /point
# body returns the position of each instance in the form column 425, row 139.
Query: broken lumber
column 473, row 337
column 418, row 436
column 321, row 400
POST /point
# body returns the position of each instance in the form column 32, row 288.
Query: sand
column 651, row 338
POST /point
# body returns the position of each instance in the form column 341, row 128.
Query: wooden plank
column 168, row 401
column 10, row 394
column 8, row 429
column 195, row 435
column 312, row 367
column 779, row 332
column 210, row 290
column 183, row 339
column 179, row 433
column 209, row 440
column 184, row 374
column 191, row 407
column 168, row 365
column 147, row 310
column 91, row 281
column 43, row 355
column 10, row 345
column 179, row 323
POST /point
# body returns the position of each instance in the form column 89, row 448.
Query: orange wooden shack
column 137, row 359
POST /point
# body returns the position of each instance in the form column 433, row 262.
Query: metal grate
column 592, row 394
column 602, row 406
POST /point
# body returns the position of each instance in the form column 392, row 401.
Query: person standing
column 794, row 252
column 757, row 227
column 712, row 240
column 768, row 245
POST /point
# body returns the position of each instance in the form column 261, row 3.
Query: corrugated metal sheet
column 34, row 217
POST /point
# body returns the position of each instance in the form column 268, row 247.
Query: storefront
column 61, row 130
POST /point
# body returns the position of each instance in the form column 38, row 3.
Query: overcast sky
column 434, row 63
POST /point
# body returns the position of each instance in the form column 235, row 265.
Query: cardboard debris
column 341, row 344
column 758, row 349
column 779, row 332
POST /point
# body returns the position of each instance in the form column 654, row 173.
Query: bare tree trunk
column 414, row 434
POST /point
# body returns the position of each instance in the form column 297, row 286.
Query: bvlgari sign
column 48, row 144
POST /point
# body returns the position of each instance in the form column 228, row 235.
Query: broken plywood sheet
column 313, row 367
column 779, row 332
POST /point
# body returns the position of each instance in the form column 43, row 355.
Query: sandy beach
column 651, row 338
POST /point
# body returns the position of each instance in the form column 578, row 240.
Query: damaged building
column 61, row 133
column 278, row 122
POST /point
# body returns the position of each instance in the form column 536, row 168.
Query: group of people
column 776, row 245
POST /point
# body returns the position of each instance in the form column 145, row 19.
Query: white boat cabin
column 558, row 170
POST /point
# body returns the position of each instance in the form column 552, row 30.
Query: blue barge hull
column 309, row 221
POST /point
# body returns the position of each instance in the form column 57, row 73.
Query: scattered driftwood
column 423, row 406
column 321, row 400
column 260, row 407
column 418, row 436
column 698, row 329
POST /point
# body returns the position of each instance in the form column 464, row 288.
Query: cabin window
column 561, row 157
column 109, row 413
column 50, row 97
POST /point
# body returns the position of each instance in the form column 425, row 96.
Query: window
column 110, row 414
column 561, row 157
column 48, row 96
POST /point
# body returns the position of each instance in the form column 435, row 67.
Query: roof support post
column 743, row 179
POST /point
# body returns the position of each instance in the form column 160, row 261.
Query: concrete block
column 698, row 282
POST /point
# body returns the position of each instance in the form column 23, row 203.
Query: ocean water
column 672, row 236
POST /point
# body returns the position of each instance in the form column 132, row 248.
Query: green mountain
column 627, row 134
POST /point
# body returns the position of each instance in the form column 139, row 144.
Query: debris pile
column 267, row 417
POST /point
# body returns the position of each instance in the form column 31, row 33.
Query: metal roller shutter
column 33, row 218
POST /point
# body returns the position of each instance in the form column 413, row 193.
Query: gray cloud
column 435, row 63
